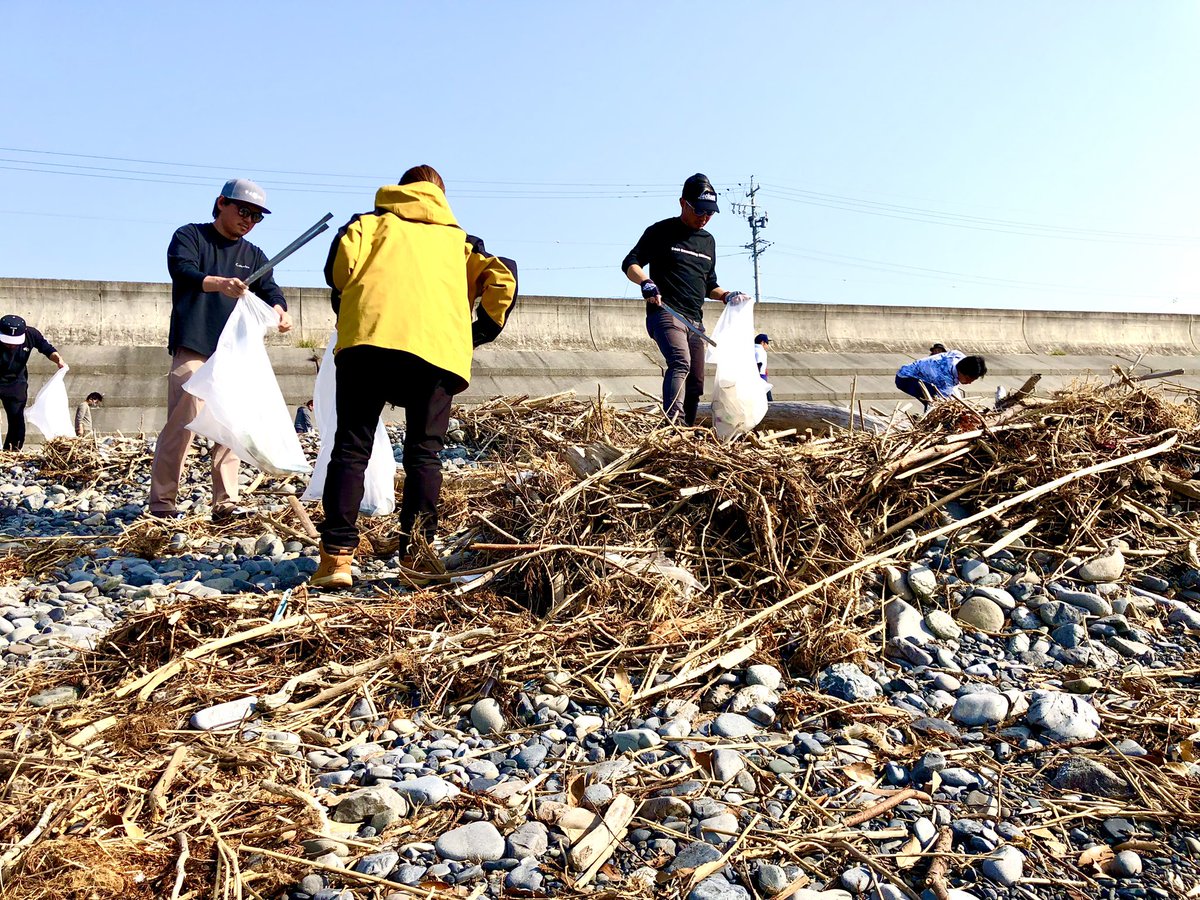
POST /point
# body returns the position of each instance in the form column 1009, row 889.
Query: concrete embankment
column 113, row 334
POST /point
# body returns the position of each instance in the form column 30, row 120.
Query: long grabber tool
column 312, row 232
column 688, row 325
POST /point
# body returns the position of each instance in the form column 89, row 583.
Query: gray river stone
column 972, row 570
column 1087, row 776
column 904, row 620
column 726, row 764
column 942, row 625
column 367, row 802
column 981, row 613
column 733, row 725
column 474, row 842
column 999, row 596
column 1063, row 717
column 692, row 856
column 979, row 709
column 1126, row 864
column 1005, row 866
column 716, row 887
column 922, row 581
column 428, row 790
column 768, row 676
column 897, row 585
column 1056, row 612
column 529, row 839
column 486, row 716
column 1090, row 603
column 1188, row 618
column 1106, row 567
column 846, row 681
column 377, row 864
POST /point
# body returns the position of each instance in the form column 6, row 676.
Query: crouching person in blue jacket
column 936, row 377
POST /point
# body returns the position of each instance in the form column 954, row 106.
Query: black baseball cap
column 761, row 339
column 699, row 192
column 12, row 330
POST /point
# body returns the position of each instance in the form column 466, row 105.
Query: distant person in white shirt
column 761, row 343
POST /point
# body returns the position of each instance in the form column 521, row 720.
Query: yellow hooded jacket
column 406, row 277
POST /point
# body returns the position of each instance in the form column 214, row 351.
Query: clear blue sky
column 1020, row 153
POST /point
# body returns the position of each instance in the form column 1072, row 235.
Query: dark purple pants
column 683, row 351
column 367, row 378
column 915, row 387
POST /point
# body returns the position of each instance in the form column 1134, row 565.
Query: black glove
column 649, row 289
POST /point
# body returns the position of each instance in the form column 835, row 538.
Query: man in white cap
column 207, row 262
column 17, row 343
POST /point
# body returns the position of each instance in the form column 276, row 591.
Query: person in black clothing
column 681, row 258
column 208, row 263
column 17, row 343
column 304, row 418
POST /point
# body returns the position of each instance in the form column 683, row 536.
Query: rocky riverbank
column 656, row 665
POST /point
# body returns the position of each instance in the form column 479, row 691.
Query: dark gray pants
column 683, row 351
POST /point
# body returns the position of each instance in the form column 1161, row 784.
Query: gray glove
column 733, row 298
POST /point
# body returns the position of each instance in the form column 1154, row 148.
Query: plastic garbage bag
column 379, row 482
column 50, row 412
column 740, row 397
column 243, row 406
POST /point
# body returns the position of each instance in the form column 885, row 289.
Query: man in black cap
column 681, row 257
column 207, row 262
column 17, row 343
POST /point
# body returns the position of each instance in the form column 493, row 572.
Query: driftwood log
column 803, row 416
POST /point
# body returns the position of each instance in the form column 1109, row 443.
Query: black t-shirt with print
column 14, row 358
column 682, row 262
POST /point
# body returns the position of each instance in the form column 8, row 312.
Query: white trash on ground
column 50, row 413
column 740, row 397
column 243, row 406
column 379, row 487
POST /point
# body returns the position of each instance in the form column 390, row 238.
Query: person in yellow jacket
column 413, row 294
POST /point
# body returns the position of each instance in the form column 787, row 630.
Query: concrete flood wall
column 113, row 334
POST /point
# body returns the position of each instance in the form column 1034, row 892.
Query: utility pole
column 757, row 219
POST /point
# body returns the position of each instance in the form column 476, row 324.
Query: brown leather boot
column 334, row 570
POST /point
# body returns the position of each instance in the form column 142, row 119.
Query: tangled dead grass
column 636, row 560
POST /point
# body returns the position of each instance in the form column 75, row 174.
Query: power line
column 978, row 223
column 340, row 190
column 600, row 190
column 875, row 265
column 374, row 179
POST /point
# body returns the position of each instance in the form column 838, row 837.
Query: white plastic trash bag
column 50, row 411
column 740, row 398
column 379, row 487
column 243, row 407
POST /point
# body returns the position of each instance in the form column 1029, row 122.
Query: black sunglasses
column 248, row 212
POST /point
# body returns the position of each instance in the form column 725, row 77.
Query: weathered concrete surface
column 134, row 314
column 113, row 335
column 133, row 379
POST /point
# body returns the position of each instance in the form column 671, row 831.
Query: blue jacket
column 938, row 372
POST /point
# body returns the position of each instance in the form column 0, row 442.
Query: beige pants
column 174, row 441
